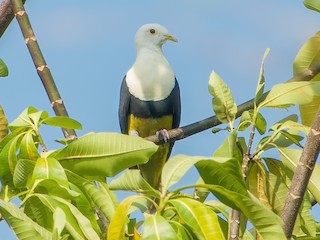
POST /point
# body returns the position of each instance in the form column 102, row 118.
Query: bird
column 150, row 97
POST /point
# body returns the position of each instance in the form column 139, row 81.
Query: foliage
column 63, row 193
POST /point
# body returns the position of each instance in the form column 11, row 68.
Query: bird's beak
column 171, row 38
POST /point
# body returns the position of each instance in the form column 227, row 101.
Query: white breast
column 151, row 77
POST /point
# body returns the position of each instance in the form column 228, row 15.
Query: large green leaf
column 266, row 222
column 200, row 218
column 175, row 169
column 105, row 154
column 156, row 227
column 22, row 225
column 3, row 69
column 308, row 55
column 290, row 158
column 287, row 94
column 131, row 180
column 223, row 103
column 312, row 4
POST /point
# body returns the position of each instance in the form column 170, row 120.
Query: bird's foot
column 134, row 133
column 163, row 135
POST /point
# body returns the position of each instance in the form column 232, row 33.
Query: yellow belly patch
column 145, row 127
column 148, row 126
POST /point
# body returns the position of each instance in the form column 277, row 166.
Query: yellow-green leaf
column 312, row 4
column 287, row 94
column 201, row 219
column 156, row 227
column 223, row 103
column 308, row 55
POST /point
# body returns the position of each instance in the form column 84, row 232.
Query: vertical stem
column 301, row 177
column 40, row 64
column 234, row 225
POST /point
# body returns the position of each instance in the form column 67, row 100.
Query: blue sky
column 88, row 45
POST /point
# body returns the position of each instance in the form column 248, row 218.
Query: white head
column 152, row 35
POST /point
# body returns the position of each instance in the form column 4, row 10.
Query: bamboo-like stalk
column 6, row 15
column 40, row 64
column 301, row 177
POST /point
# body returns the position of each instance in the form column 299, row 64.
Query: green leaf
column 308, row 55
column 175, row 169
column 59, row 220
column 181, row 231
column 23, row 120
column 3, row 124
column 3, row 69
column 261, row 82
column 290, row 158
column 287, row 94
column 101, row 199
column 247, row 120
column 131, row 180
column 228, row 148
column 117, row 227
column 28, row 149
column 8, row 158
column 266, row 223
column 52, row 187
column 23, row 172
column 49, row 168
column 223, row 103
column 37, row 117
column 38, row 212
column 200, row 218
column 63, row 122
column 312, row 4
column 115, row 152
column 21, row 224
column 156, row 227
column 72, row 225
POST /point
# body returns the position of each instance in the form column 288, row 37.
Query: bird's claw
column 163, row 135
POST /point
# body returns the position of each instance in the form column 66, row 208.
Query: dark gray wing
column 124, row 106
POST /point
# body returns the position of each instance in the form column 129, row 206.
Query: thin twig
column 301, row 177
column 40, row 64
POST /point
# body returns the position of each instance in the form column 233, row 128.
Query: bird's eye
column 152, row 31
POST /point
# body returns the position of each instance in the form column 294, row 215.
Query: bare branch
column 301, row 177
column 40, row 64
column 6, row 15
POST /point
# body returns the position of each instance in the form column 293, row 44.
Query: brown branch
column 40, row 64
column 6, row 15
column 205, row 124
column 301, row 177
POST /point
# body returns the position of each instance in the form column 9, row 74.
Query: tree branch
column 6, row 15
column 205, row 124
column 40, row 64
column 301, row 177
